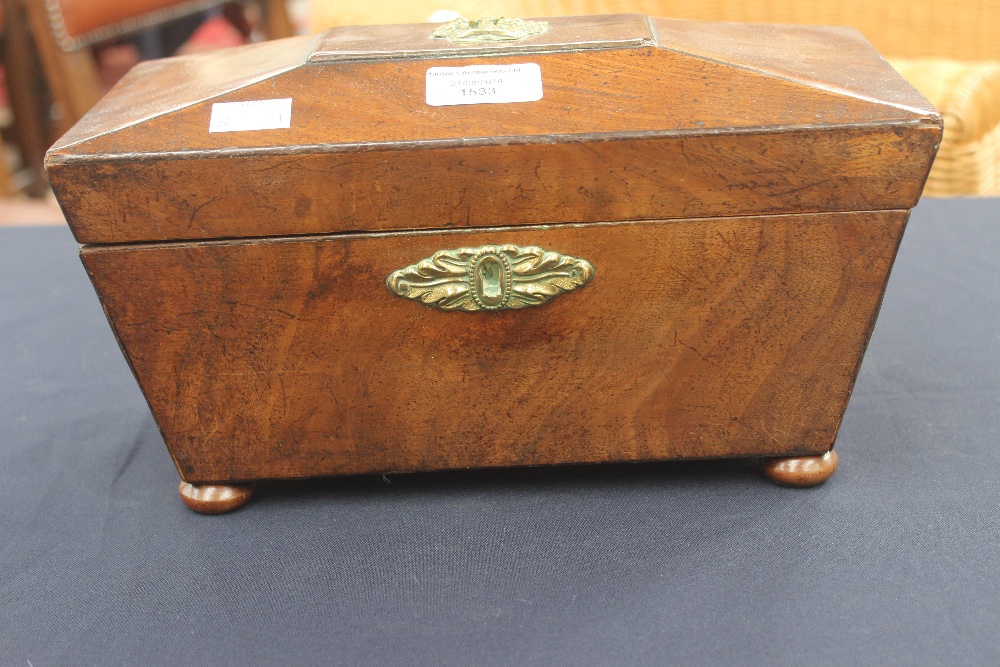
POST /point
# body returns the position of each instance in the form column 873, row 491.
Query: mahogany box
column 497, row 243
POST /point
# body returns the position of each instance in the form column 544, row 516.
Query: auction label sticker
column 256, row 115
column 484, row 84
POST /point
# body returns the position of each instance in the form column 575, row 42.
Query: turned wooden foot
column 215, row 498
column 801, row 470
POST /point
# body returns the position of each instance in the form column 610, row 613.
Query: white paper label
column 483, row 84
column 257, row 115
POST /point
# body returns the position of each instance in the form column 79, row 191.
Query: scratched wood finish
column 697, row 338
column 774, row 120
column 699, row 176
column 741, row 192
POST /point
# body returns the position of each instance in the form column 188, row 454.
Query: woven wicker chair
column 968, row 95
column 949, row 51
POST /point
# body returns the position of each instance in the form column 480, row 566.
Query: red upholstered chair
column 66, row 29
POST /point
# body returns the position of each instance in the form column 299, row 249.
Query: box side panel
column 723, row 337
column 854, row 168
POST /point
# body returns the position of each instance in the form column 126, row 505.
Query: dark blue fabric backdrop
column 895, row 561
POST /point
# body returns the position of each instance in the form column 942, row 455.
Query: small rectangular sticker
column 483, row 84
column 256, row 115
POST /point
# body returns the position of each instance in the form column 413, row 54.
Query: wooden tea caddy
column 676, row 250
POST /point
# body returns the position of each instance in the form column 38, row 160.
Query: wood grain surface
column 607, row 91
column 761, row 119
column 739, row 190
column 697, row 338
column 858, row 168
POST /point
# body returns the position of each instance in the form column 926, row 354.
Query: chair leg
column 21, row 66
column 71, row 76
column 275, row 18
column 6, row 187
column 275, row 23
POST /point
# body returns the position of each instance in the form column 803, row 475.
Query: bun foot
column 801, row 470
column 215, row 498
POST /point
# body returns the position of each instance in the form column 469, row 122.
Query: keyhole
column 490, row 280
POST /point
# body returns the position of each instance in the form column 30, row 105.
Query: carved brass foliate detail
column 489, row 29
column 490, row 277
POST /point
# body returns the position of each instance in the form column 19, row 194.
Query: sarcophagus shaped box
column 497, row 243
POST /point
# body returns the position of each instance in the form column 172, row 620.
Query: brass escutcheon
column 490, row 277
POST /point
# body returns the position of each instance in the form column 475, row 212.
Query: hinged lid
column 635, row 118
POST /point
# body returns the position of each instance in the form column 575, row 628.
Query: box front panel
column 694, row 338
column 760, row 173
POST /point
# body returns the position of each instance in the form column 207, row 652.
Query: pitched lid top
column 611, row 76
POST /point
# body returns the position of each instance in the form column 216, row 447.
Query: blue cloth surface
column 894, row 561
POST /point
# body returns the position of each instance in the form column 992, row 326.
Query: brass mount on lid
column 489, row 29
